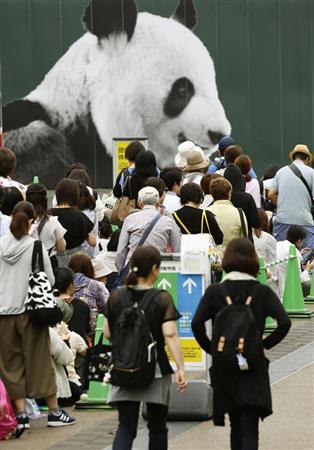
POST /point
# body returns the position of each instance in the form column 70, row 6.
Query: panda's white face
column 160, row 84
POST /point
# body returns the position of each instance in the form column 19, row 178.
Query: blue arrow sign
column 190, row 291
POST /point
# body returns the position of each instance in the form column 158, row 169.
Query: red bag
column 8, row 422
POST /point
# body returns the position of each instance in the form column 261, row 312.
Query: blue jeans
column 128, row 419
column 280, row 233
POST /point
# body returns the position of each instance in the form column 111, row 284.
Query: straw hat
column 195, row 160
column 301, row 148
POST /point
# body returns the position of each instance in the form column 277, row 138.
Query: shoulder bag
column 298, row 173
column 123, row 206
column 124, row 272
column 40, row 303
column 243, row 226
column 215, row 252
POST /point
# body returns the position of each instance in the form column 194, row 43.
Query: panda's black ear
column 186, row 13
column 104, row 17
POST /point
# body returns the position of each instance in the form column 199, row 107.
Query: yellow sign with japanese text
column 119, row 160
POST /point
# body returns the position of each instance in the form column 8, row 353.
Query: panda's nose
column 215, row 136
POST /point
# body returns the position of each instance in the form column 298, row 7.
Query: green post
column 293, row 300
column 262, row 278
column 310, row 297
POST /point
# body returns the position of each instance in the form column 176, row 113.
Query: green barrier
column 97, row 391
column 310, row 297
column 262, row 278
column 293, row 300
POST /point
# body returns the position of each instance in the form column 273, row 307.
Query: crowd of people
column 93, row 245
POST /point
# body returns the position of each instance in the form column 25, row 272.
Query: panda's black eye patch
column 181, row 93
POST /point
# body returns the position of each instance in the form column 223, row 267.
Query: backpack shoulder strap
column 149, row 297
column 124, row 296
column 175, row 215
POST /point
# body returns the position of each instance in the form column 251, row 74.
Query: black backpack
column 133, row 347
column 236, row 341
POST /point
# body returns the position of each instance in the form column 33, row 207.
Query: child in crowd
column 63, row 292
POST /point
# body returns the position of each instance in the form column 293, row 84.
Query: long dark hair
column 145, row 164
column 37, row 195
column 86, row 200
column 141, row 263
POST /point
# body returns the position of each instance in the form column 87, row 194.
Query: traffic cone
column 270, row 324
column 293, row 300
column 97, row 391
column 310, row 297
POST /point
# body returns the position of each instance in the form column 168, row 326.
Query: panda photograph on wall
column 131, row 74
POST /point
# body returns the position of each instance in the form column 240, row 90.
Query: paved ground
column 290, row 427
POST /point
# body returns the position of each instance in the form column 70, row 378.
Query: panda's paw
column 40, row 150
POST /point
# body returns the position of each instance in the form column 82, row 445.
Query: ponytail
column 19, row 225
column 131, row 279
column 141, row 264
column 22, row 213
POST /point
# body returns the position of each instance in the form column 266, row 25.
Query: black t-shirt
column 76, row 223
column 192, row 219
column 160, row 310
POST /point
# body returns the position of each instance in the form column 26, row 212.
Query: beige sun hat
column 183, row 149
column 100, row 268
column 301, row 148
column 195, row 160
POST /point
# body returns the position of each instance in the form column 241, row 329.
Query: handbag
column 41, row 305
column 123, row 206
column 215, row 252
column 109, row 202
column 298, row 173
column 8, row 422
column 97, row 361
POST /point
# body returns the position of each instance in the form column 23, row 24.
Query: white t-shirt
column 51, row 233
column 252, row 187
column 4, row 224
column 172, row 202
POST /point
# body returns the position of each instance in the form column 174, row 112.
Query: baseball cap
column 148, row 192
column 225, row 142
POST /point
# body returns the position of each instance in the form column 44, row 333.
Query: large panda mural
column 130, row 74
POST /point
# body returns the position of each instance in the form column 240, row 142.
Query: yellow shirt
column 228, row 219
